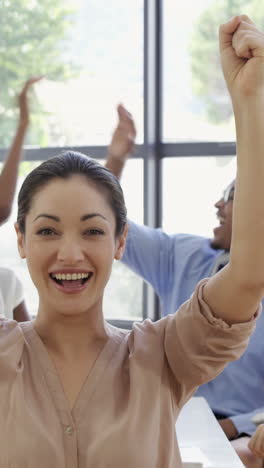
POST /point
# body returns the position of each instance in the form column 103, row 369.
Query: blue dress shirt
column 173, row 265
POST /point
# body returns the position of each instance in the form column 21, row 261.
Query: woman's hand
column 242, row 57
column 256, row 443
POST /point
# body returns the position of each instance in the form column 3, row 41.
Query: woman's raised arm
column 235, row 292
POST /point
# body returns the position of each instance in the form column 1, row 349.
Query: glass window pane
column 123, row 297
column 91, row 53
column 191, row 187
column 197, row 106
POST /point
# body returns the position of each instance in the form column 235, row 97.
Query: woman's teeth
column 70, row 276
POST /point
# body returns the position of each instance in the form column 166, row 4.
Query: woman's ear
column 20, row 241
column 121, row 244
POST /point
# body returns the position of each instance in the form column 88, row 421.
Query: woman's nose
column 70, row 252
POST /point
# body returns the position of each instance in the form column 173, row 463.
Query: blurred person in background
column 12, row 303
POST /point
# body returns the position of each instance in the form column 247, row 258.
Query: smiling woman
column 71, row 225
column 71, row 385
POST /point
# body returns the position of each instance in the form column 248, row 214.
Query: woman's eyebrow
column 44, row 215
column 92, row 215
column 57, row 219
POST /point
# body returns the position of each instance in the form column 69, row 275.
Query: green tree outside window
column 34, row 35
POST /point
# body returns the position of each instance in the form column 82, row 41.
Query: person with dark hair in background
column 12, row 302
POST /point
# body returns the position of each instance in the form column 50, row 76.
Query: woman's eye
column 94, row 232
column 46, row 232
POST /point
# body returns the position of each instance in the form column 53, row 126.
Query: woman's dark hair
column 64, row 166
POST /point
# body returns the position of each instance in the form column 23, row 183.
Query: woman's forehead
column 76, row 193
column 74, row 184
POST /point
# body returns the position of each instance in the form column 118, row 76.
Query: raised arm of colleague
column 8, row 177
column 235, row 292
column 122, row 143
column 151, row 253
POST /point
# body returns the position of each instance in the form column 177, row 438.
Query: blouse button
column 68, row 430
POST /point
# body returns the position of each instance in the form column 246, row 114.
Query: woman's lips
column 71, row 283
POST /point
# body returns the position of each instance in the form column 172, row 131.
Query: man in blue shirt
column 173, row 265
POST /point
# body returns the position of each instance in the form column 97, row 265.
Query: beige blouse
column 125, row 414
